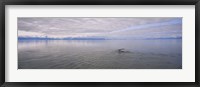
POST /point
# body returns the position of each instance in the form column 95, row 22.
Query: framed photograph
column 69, row 43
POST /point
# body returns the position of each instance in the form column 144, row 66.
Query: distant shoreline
column 93, row 39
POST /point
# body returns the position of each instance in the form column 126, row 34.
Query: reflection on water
column 100, row 54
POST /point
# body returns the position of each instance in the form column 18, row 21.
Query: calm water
column 100, row 54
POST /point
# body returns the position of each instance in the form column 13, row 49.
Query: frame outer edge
column 2, row 43
column 101, row 2
column 197, row 32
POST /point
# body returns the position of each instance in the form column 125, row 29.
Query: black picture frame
column 98, row 2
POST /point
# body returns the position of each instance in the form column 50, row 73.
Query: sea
column 100, row 54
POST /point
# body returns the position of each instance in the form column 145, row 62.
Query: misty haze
column 99, row 43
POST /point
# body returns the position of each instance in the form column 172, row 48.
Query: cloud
column 102, row 26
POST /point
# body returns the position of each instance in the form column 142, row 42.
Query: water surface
column 100, row 54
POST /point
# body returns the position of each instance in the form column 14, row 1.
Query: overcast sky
column 131, row 27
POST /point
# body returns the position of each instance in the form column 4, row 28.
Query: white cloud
column 86, row 27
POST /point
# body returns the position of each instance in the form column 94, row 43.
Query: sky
column 104, row 27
